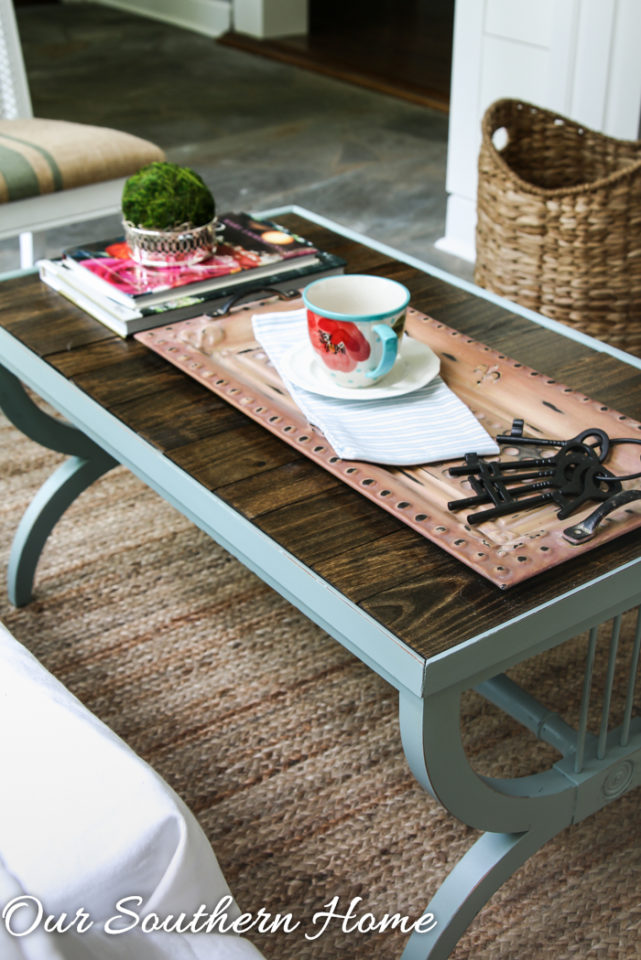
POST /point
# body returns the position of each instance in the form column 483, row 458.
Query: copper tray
column 223, row 355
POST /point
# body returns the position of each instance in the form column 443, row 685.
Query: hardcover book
column 246, row 246
column 126, row 321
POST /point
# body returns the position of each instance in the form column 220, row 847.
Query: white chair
column 86, row 824
column 53, row 172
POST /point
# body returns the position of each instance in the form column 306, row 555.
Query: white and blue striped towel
column 425, row 426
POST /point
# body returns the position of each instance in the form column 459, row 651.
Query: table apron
column 540, row 629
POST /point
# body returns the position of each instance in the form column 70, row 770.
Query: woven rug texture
column 286, row 747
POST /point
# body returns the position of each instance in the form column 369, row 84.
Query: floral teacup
column 354, row 323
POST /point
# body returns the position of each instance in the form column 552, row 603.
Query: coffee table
column 423, row 621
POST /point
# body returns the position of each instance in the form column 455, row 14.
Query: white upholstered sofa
column 86, row 825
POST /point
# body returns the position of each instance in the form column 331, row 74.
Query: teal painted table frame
column 517, row 816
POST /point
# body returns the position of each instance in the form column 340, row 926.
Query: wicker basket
column 559, row 221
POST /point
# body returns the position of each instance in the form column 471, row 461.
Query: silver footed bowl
column 171, row 248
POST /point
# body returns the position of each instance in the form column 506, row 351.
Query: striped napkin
column 424, row 426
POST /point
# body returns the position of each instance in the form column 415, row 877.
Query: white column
column 270, row 18
column 579, row 57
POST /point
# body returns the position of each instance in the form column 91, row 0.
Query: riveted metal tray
column 223, row 355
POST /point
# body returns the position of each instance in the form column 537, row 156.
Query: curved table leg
column 519, row 816
column 87, row 462
column 491, row 860
column 52, row 499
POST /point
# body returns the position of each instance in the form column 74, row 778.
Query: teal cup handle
column 390, row 348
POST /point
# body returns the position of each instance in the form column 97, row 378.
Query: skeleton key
column 512, row 506
column 602, row 440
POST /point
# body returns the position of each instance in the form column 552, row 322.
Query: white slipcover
column 85, row 822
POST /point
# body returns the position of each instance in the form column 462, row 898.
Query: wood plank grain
column 43, row 320
column 284, row 486
column 226, row 458
column 400, row 557
column 324, row 525
column 112, row 370
column 180, row 416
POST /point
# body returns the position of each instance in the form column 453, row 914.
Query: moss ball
column 163, row 196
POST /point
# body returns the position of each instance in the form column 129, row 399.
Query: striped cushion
column 42, row 156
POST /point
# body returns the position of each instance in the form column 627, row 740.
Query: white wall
column 578, row 57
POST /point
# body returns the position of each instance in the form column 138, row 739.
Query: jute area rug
column 284, row 746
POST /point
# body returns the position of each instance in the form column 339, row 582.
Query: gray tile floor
column 261, row 133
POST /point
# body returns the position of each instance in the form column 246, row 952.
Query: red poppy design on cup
column 340, row 344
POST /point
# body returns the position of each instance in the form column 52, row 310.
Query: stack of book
column 251, row 255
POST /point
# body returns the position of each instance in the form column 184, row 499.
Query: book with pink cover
column 246, row 246
column 125, row 320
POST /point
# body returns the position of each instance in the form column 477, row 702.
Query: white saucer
column 415, row 366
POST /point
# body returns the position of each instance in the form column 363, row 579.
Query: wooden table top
column 426, row 597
